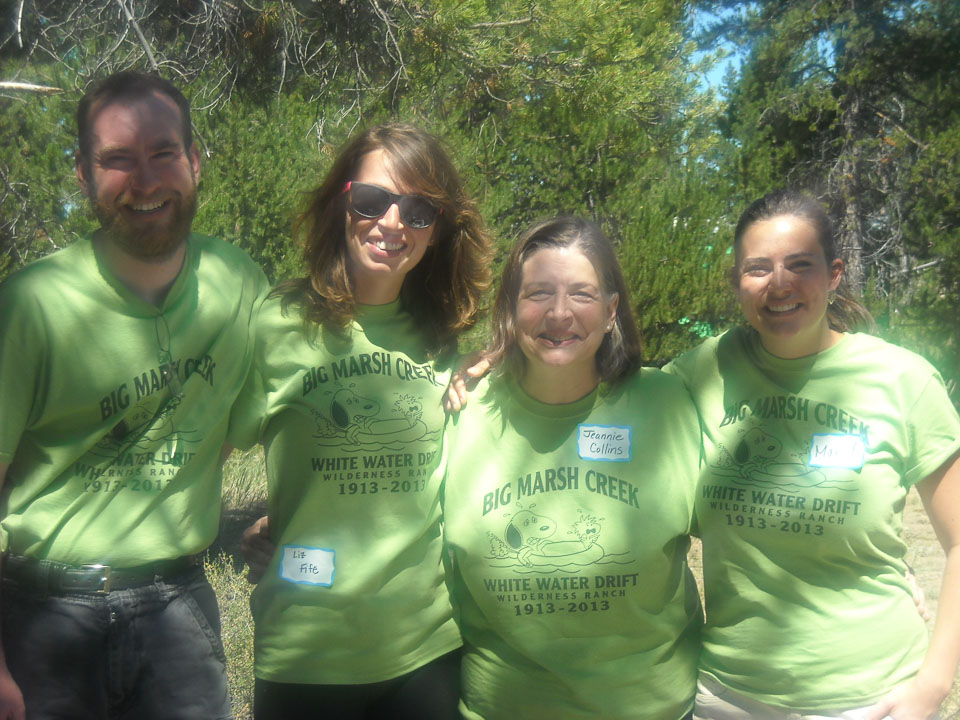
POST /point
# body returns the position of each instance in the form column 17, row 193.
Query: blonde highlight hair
column 444, row 292
column 620, row 353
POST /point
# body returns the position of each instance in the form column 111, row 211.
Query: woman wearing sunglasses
column 352, row 617
column 568, row 498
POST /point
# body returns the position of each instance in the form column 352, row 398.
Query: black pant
column 430, row 692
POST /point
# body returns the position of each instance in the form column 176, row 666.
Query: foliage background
column 595, row 107
column 590, row 107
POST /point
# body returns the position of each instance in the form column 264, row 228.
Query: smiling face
column 139, row 177
column 784, row 282
column 381, row 251
column 562, row 317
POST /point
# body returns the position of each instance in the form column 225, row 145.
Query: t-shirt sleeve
column 682, row 441
column 248, row 412
column 686, row 365
column 671, row 367
column 249, row 409
column 934, row 431
column 685, row 368
column 21, row 366
column 692, row 460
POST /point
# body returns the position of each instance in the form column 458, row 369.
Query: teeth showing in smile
column 146, row 207
column 557, row 340
column 388, row 246
column 783, row 308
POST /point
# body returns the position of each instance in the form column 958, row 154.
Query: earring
column 831, row 296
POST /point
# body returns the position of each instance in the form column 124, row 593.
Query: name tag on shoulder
column 609, row 443
column 837, row 451
column 306, row 565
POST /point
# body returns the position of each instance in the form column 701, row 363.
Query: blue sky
column 714, row 78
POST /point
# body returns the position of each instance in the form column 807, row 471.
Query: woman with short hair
column 568, row 498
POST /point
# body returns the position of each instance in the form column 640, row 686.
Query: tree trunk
column 850, row 231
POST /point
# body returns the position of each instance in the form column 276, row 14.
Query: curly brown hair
column 444, row 292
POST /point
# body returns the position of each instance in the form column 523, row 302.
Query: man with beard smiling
column 121, row 357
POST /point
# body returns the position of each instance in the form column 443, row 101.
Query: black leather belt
column 55, row 578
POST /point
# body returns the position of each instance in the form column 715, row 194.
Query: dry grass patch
column 244, row 500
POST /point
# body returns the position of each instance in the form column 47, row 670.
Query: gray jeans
column 151, row 652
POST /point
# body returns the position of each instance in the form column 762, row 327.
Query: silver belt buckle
column 104, row 580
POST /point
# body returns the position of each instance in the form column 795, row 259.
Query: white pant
column 718, row 702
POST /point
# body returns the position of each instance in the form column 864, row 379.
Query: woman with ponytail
column 814, row 432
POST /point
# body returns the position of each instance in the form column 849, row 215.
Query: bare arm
column 920, row 698
column 11, row 699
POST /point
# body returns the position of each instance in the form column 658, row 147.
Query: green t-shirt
column 568, row 526
column 108, row 463
column 808, row 463
column 352, row 426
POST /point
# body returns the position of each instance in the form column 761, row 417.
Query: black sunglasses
column 372, row 201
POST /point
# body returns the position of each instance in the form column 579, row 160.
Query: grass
column 233, row 592
column 244, row 500
column 244, row 480
column 245, row 494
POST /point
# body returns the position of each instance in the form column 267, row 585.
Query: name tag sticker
column 307, row 566
column 609, row 443
column 838, row 451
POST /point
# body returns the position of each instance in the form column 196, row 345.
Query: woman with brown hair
column 352, row 617
column 814, row 432
column 568, row 498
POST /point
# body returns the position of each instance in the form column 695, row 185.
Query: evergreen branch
column 901, row 128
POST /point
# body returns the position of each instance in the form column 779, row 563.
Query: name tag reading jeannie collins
column 307, row 565
column 610, row 443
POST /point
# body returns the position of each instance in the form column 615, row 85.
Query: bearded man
column 120, row 358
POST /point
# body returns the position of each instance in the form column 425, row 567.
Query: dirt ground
column 925, row 557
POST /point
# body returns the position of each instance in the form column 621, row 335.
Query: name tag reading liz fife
column 307, row 566
column 838, row 451
column 610, row 443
